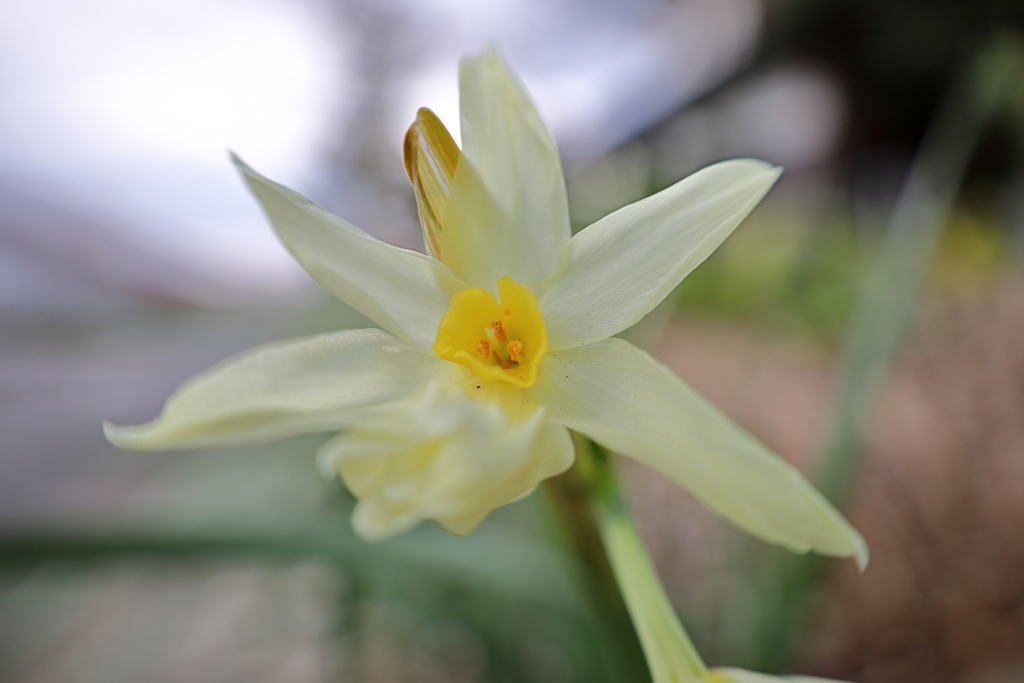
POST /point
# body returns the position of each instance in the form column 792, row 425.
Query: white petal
column 507, row 213
column 730, row 675
column 404, row 292
column 445, row 457
column 614, row 272
column 314, row 384
column 622, row 398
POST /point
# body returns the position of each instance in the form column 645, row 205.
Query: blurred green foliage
column 794, row 280
column 267, row 505
column 785, row 279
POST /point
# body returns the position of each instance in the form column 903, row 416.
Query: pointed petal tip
column 240, row 165
column 490, row 53
column 490, row 59
column 861, row 554
column 114, row 433
column 853, row 546
column 842, row 540
column 765, row 170
column 757, row 164
column 248, row 174
column 127, row 437
column 856, row 548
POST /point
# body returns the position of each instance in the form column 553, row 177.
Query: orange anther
column 499, row 330
column 515, row 350
column 483, row 347
column 508, row 312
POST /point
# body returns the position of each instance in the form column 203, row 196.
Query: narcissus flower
column 499, row 340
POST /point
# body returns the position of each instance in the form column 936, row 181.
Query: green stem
column 569, row 497
column 624, row 562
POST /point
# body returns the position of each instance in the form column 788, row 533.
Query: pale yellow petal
column 616, row 271
column 444, row 456
column 507, row 213
column 314, row 384
column 622, row 398
column 404, row 292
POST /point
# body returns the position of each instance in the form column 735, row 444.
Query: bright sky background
column 123, row 110
column 126, row 110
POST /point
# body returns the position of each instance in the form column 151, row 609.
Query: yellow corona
column 500, row 342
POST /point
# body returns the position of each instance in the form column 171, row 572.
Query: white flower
column 499, row 341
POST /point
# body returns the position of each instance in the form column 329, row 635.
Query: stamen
column 501, row 340
column 515, row 350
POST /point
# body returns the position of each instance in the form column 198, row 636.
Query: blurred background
column 865, row 322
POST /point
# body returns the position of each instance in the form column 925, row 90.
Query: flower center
column 503, row 341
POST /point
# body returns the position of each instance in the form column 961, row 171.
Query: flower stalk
column 592, row 508
column 569, row 499
column 671, row 655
